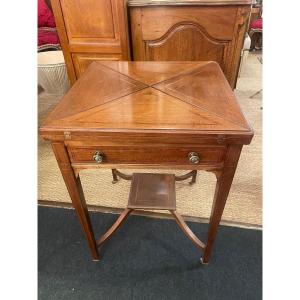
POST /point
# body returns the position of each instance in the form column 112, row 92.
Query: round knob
column 194, row 158
column 98, row 157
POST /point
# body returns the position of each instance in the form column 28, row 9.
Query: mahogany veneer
column 152, row 191
column 175, row 115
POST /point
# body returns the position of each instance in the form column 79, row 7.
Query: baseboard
column 151, row 214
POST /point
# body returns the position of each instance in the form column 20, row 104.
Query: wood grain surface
column 190, row 98
column 175, row 31
column 91, row 30
column 188, row 2
column 196, row 99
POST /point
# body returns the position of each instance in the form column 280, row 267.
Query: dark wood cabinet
column 91, row 30
column 190, row 30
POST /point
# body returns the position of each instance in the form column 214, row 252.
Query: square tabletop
column 118, row 96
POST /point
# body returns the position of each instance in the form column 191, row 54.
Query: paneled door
column 190, row 33
column 91, row 30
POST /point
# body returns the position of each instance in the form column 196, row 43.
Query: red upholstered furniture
column 47, row 34
column 256, row 24
column 256, row 34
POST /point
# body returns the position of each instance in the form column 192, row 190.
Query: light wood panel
column 91, row 30
column 140, row 3
column 83, row 60
column 185, row 37
column 216, row 22
column 161, row 32
column 88, row 20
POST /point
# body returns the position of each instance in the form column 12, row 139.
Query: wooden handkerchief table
column 155, row 115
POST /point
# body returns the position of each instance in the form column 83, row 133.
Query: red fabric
column 45, row 15
column 256, row 24
column 47, row 37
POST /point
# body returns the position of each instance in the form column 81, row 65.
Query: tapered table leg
column 224, row 181
column 74, row 187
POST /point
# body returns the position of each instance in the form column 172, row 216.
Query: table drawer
column 147, row 155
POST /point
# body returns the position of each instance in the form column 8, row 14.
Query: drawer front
column 148, row 155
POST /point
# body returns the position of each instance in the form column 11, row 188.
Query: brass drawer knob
column 98, row 157
column 194, row 158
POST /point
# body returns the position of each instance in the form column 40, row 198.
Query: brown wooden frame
column 129, row 126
